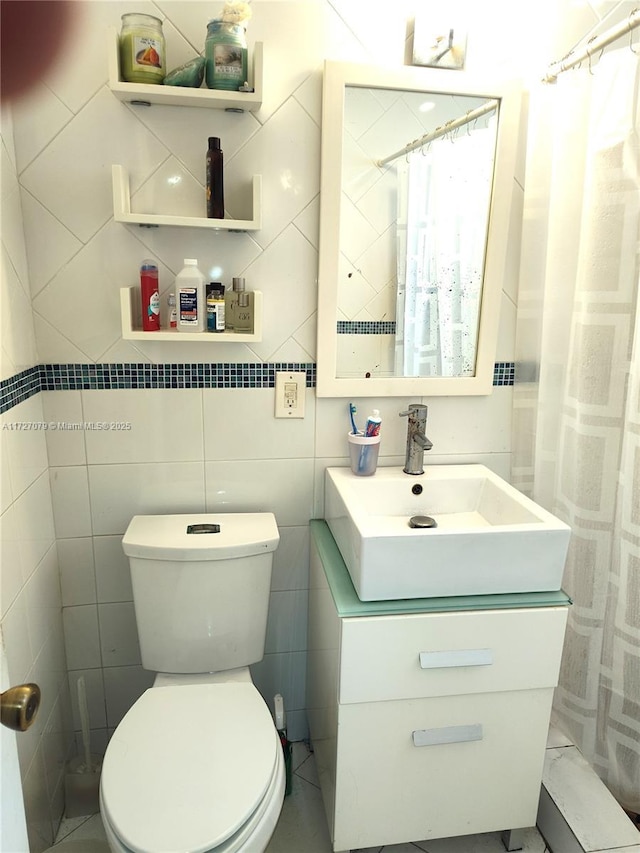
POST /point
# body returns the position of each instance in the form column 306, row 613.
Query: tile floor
column 302, row 827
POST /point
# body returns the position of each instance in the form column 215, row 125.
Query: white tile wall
column 70, row 495
column 77, row 573
column 82, row 639
column 118, row 492
column 113, row 578
column 164, row 426
column 186, row 450
column 119, row 644
column 30, row 598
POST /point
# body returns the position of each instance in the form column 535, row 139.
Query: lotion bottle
column 190, row 298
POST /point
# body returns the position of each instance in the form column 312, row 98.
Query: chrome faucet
column 417, row 441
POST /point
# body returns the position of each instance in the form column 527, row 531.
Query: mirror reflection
column 417, row 176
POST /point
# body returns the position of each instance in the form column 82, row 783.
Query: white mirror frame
column 337, row 76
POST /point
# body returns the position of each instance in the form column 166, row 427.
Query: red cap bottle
column 150, row 296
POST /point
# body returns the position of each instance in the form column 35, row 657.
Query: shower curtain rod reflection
column 472, row 115
column 575, row 57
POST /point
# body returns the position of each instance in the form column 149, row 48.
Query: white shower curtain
column 443, row 207
column 577, row 395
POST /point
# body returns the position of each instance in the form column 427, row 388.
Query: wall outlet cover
column 290, row 394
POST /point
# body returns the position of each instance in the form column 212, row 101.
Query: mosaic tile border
column 366, row 327
column 19, row 388
column 504, row 373
column 77, row 377
column 83, row 377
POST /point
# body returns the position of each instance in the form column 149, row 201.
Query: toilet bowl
column 195, row 766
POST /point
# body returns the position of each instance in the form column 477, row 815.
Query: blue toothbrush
column 352, row 411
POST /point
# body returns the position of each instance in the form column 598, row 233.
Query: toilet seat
column 188, row 766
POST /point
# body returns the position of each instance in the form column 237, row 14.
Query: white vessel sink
column 489, row 537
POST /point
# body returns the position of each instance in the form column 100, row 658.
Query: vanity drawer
column 479, row 770
column 447, row 654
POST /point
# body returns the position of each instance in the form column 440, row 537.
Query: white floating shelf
column 122, row 209
column 146, row 94
column 129, row 333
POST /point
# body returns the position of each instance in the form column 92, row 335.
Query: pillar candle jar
column 225, row 51
column 142, row 49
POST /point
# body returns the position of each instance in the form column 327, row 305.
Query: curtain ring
column 631, row 28
column 565, row 58
column 589, row 58
column 589, row 54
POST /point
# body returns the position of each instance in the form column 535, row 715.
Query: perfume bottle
column 239, row 307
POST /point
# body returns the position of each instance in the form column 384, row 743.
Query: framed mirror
column 417, row 174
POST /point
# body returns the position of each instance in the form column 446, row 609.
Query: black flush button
column 203, row 528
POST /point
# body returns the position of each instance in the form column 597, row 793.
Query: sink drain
column 422, row 521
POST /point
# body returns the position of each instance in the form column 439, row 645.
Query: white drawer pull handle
column 447, row 734
column 456, row 657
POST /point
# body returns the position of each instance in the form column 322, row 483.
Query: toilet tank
column 201, row 588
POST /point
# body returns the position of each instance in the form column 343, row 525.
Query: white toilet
column 196, row 765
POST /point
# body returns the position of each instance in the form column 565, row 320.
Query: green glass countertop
column 348, row 604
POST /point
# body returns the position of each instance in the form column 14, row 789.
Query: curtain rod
column 472, row 115
column 574, row 58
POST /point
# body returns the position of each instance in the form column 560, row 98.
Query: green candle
column 142, row 49
column 225, row 51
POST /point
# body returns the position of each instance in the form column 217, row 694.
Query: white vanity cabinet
column 428, row 717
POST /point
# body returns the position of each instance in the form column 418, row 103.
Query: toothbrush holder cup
column 363, row 453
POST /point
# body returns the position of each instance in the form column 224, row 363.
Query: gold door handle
column 19, row 706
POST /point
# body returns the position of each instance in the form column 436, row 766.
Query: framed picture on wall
column 438, row 44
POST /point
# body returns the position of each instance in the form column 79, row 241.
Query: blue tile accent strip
column 73, row 377
column 19, row 388
column 79, row 377
column 366, row 327
column 504, row 373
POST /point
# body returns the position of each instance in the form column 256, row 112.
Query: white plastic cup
column 363, row 453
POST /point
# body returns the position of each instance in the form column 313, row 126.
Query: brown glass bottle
column 214, row 180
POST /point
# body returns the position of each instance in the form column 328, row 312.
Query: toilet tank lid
column 201, row 536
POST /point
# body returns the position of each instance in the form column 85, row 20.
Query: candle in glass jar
column 225, row 51
column 142, row 49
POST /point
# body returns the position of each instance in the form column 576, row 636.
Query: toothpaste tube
column 372, row 427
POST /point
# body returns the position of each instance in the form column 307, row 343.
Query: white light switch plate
column 290, row 395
